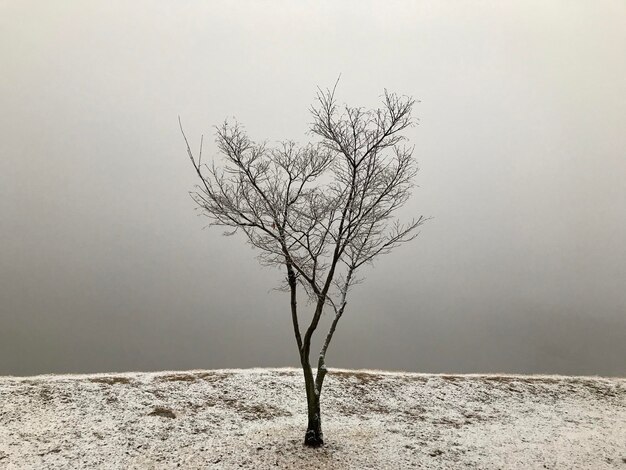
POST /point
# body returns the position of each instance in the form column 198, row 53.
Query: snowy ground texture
column 256, row 419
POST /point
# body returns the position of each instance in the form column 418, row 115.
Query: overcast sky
column 104, row 264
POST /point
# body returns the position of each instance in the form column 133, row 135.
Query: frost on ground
column 256, row 419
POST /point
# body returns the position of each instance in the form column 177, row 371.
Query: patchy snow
column 256, row 418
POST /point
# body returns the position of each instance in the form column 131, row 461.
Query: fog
column 105, row 265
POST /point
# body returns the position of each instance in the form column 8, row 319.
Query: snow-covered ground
column 256, row 419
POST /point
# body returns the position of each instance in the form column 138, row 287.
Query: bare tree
column 319, row 211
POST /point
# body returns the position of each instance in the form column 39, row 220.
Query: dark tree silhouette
column 319, row 211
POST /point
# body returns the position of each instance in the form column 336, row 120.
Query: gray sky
column 522, row 149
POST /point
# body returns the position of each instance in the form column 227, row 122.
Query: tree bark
column 313, row 436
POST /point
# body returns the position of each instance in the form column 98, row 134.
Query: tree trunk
column 313, row 436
